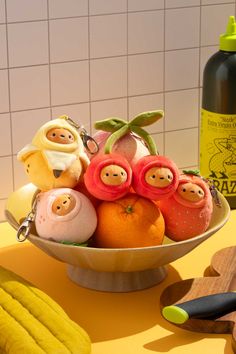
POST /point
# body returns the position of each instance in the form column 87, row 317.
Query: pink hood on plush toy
column 130, row 146
column 64, row 214
column 188, row 212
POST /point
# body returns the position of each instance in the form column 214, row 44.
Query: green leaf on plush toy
column 146, row 137
column 110, row 124
column 114, row 137
column 192, row 172
column 83, row 244
column 147, row 118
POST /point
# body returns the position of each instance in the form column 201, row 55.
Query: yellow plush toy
column 32, row 322
column 56, row 156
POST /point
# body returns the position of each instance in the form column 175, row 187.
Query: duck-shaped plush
column 56, row 156
column 65, row 215
column 188, row 211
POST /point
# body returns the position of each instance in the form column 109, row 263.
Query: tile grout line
column 106, row 57
column 127, row 60
column 89, row 72
column 100, row 100
column 199, row 82
column 164, row 77
column 117, row 13
column 9, row 100
column 49, row 62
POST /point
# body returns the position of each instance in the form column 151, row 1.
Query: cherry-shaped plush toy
column 155, row 177
column 188, row 212
column 108, row 177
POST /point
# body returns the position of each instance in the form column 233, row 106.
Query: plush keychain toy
column 109, row 175
column 56, row 156
column 128, row 139
column 65, row 215
column 188, row 212
column 155, row 177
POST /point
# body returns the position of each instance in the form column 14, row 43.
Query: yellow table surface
column 122, row 323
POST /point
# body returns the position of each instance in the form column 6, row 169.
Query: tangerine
column 129, row 222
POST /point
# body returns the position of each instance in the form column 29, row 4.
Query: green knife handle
column 215, row 305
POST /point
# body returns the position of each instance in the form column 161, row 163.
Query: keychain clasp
column 89, row 143
column 25, row 227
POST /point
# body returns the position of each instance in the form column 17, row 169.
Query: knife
column 205, row 307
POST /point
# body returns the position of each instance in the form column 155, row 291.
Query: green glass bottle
column 218, row 117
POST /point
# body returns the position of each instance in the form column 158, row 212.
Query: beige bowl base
column 116, row 281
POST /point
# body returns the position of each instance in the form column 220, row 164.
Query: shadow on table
column 180, row 338
column 103, row 315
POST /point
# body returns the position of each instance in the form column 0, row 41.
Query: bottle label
column 218, row 150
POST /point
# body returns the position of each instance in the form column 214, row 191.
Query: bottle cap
column 228, row 39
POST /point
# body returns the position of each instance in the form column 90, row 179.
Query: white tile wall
column 3, row 47
column 2, row 11
column 69, row 82
column 26, row 10
column 152, row 27
column 107, row 6
column 68, row 8
column 94, row 59
column 108, row 78
column 111, row 31
column 145, row 74
column 68, row 39
column 29, row 87
column 28, row 43
column 4, row 91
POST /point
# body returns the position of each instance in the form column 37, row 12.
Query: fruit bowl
column 119, row 269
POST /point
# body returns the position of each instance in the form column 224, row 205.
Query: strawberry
column 188, row 211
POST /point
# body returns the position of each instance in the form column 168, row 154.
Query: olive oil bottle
column 218, row 117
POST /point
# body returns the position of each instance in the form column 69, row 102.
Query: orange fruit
column 131, row 221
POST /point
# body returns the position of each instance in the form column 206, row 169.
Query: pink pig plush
column 64, row 214
column 188, row 211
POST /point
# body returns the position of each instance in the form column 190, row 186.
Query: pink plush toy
column 188, row 211
column 64, row 214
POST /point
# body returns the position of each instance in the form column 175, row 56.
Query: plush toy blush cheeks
column 192, row 199
column 63, row 204
column 60, row 136
column 160, row 177
column 108, row 177
column 57, row 209
column 191, row 192
column 113, row 175
column 155, row 177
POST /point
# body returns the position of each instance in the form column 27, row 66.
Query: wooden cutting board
column 220, row 277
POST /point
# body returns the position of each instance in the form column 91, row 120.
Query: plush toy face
column 63, row 214
column 191, row 192
column 113, row 175
column 108, row 177
column 155, row 177
column 60, row 136
column 159, row 177
column 63, row 204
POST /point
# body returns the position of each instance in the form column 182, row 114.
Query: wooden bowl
column 121, row 269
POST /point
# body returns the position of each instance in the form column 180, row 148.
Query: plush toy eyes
column 63, row 204
column 60, row 136
column 113, row 175
column 191, row 192
column 160, row 177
